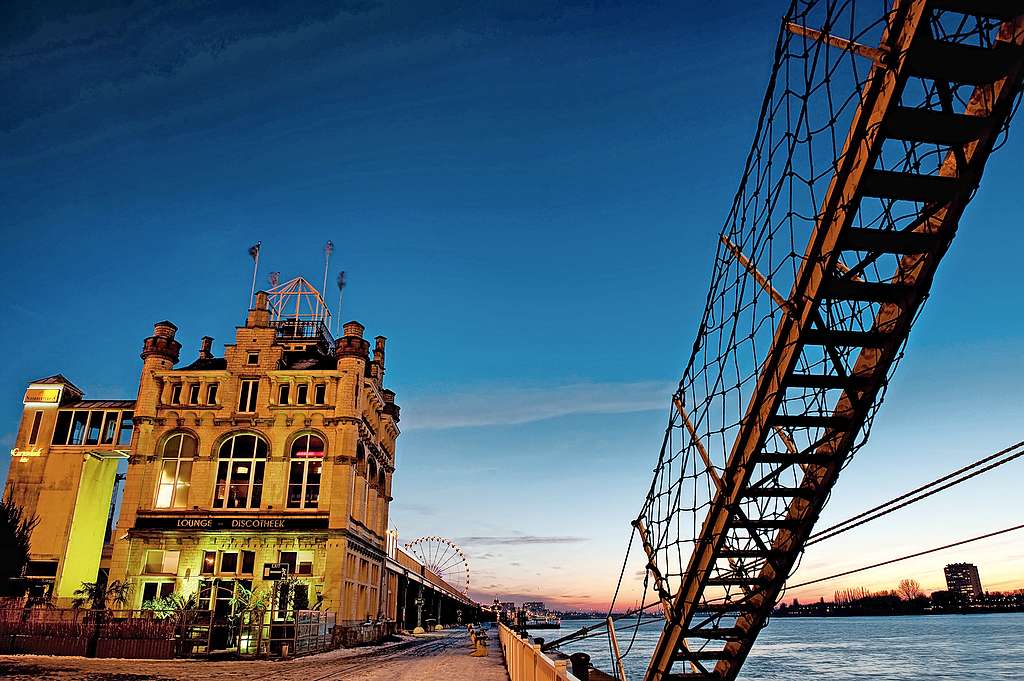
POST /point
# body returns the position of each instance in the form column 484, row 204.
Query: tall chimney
column 378, row 350
column 205, row 348
column 259, row 315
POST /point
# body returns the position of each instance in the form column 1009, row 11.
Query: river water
column 911, row 648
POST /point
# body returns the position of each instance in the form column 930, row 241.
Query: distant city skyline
column 526, row 201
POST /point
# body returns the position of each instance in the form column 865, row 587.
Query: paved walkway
column 442, row 656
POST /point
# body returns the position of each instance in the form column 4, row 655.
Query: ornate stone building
column 280, row 452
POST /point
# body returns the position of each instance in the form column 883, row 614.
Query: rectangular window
column 62, row 428
column 229, row 562
column 248, row 562
column 124, row 434
column 209, row 562
column 320, row 393
column 37, row 419
column 175, row 479
column 298, row 562
column 176, row 393
column 211, row 393
column 77, row 436
column 109, row 428
column 253, row 358
column 282, row 393
column 151, row 591
column 193, row 393
column 247, row 395
column 92, row 434
column 239, row 484
column 161, row 562
column 301, row 392
column 304, row 483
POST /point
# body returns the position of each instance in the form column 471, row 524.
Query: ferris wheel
column 444, row 558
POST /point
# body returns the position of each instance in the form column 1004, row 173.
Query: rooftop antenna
column 328, row 249
column 254, row 253
column 341, row 294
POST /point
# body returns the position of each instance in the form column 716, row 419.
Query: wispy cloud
column 507, row 405
column 517, row 540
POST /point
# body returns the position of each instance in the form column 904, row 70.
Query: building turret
column 352, row 345
column 390, row 408
column 161, row 351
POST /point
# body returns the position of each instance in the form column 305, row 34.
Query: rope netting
column 815, row 89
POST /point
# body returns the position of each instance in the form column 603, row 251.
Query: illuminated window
column 282, row 393
column 176, row 471
column 176, row 393
column 320, row 393
column 152, row 591
column 211, row 393
column 209, row 563
column 306, row 469
column 37, row 419
column 247, row 394
column 298, row 562
column 193, row 393
column 241, row 461
column 301, row 392
column 161, row 562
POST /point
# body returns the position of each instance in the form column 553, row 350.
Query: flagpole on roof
column 254, row 253
column 328, row 249
column 341, row 294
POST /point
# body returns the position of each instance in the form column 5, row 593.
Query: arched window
column 240, row 466
column 306, row 469
column 175, row 470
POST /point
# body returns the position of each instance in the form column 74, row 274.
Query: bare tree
column 909, row 589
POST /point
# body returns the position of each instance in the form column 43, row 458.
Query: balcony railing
column 303, row 329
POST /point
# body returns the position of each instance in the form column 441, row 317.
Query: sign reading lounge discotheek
column 228, row 522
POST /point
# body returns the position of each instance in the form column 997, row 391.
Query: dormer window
column 253, row 358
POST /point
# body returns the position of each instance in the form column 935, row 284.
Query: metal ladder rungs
column 735, row 581
column 959, row 63
column 794, row 459
column 867, row 291
column 1004, row 10
column 848, row 339
column 887, row 241
column 810, row 421
column 931, row 126
column 787, row 492
column 718, row 633
column 889, row 184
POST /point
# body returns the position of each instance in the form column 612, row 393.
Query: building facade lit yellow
column 281, row 451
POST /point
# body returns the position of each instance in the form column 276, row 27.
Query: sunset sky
column 526, row 198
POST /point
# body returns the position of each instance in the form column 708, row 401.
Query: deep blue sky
column 525, row 200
